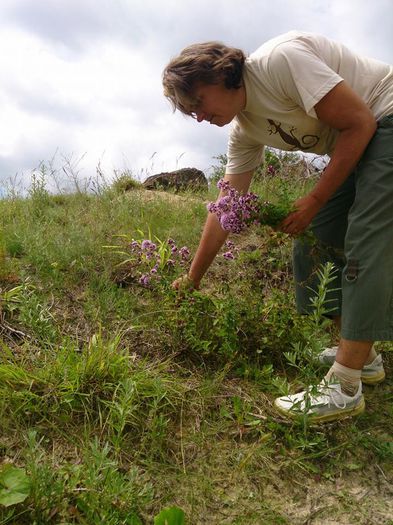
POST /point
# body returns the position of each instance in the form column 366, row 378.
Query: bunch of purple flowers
column 236, row 211
column 231, row 250
column 155, row 259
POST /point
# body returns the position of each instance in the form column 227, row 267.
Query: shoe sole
column 336, row 416
column 374, row 379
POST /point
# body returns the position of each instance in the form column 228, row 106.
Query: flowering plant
column 236, row 211
column 150, row 261
column 157, row 258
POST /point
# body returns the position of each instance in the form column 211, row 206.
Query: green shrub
column 125, row 182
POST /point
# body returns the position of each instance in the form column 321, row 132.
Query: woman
column 304, row 92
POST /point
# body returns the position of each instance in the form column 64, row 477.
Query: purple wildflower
column 144, row 280
column 225, row 185
column 184, row 253
column 153, row 261
column 234, row 210
column 231, row 253
column 135, row 246
column 231, row 222
column 148, row 246
column 211, row 207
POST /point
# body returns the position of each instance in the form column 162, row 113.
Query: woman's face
column 218, row 104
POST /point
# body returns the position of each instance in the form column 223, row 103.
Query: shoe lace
column 325, row 395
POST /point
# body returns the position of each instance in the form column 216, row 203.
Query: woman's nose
column 200, row 116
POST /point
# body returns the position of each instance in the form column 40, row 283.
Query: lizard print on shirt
column 307, row 141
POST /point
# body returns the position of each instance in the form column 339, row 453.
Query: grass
column 120, row 400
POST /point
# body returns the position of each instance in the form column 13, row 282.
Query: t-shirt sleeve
column 299, row 74
column 243, row 153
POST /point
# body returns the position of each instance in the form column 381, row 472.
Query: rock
column 183, row 179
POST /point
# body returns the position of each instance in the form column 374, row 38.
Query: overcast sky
column 81, row 79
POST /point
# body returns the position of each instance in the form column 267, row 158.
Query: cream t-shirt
column 284, row 79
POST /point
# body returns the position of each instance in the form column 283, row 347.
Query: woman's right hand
column 185, row 283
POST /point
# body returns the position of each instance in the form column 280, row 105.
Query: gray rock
column 183, row 179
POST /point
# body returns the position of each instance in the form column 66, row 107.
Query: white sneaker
column 328, row 403
column 372, row 373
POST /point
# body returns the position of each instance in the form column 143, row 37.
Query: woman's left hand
column 305, row 210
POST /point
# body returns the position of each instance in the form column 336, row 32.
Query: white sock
column 349, row 378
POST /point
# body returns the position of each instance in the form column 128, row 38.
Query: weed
column 151, row 259
column 35, row 314
column 125, row 182
column 91, row 491
column 39, row 195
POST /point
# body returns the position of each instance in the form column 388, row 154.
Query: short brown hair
column 206, row 63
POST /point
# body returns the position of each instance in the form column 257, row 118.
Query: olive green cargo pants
column 354, row 230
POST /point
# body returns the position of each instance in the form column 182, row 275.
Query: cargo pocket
column 351, row 271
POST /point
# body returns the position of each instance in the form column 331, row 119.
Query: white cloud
column 84, row 77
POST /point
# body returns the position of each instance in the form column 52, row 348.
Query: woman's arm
column 344, row 110
column 213, row 236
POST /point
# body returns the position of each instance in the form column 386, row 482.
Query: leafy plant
column 10, row 300
column 125, row 182
column 153, row 260
column 170, row 516
column 14, row 485
column 96, row 487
